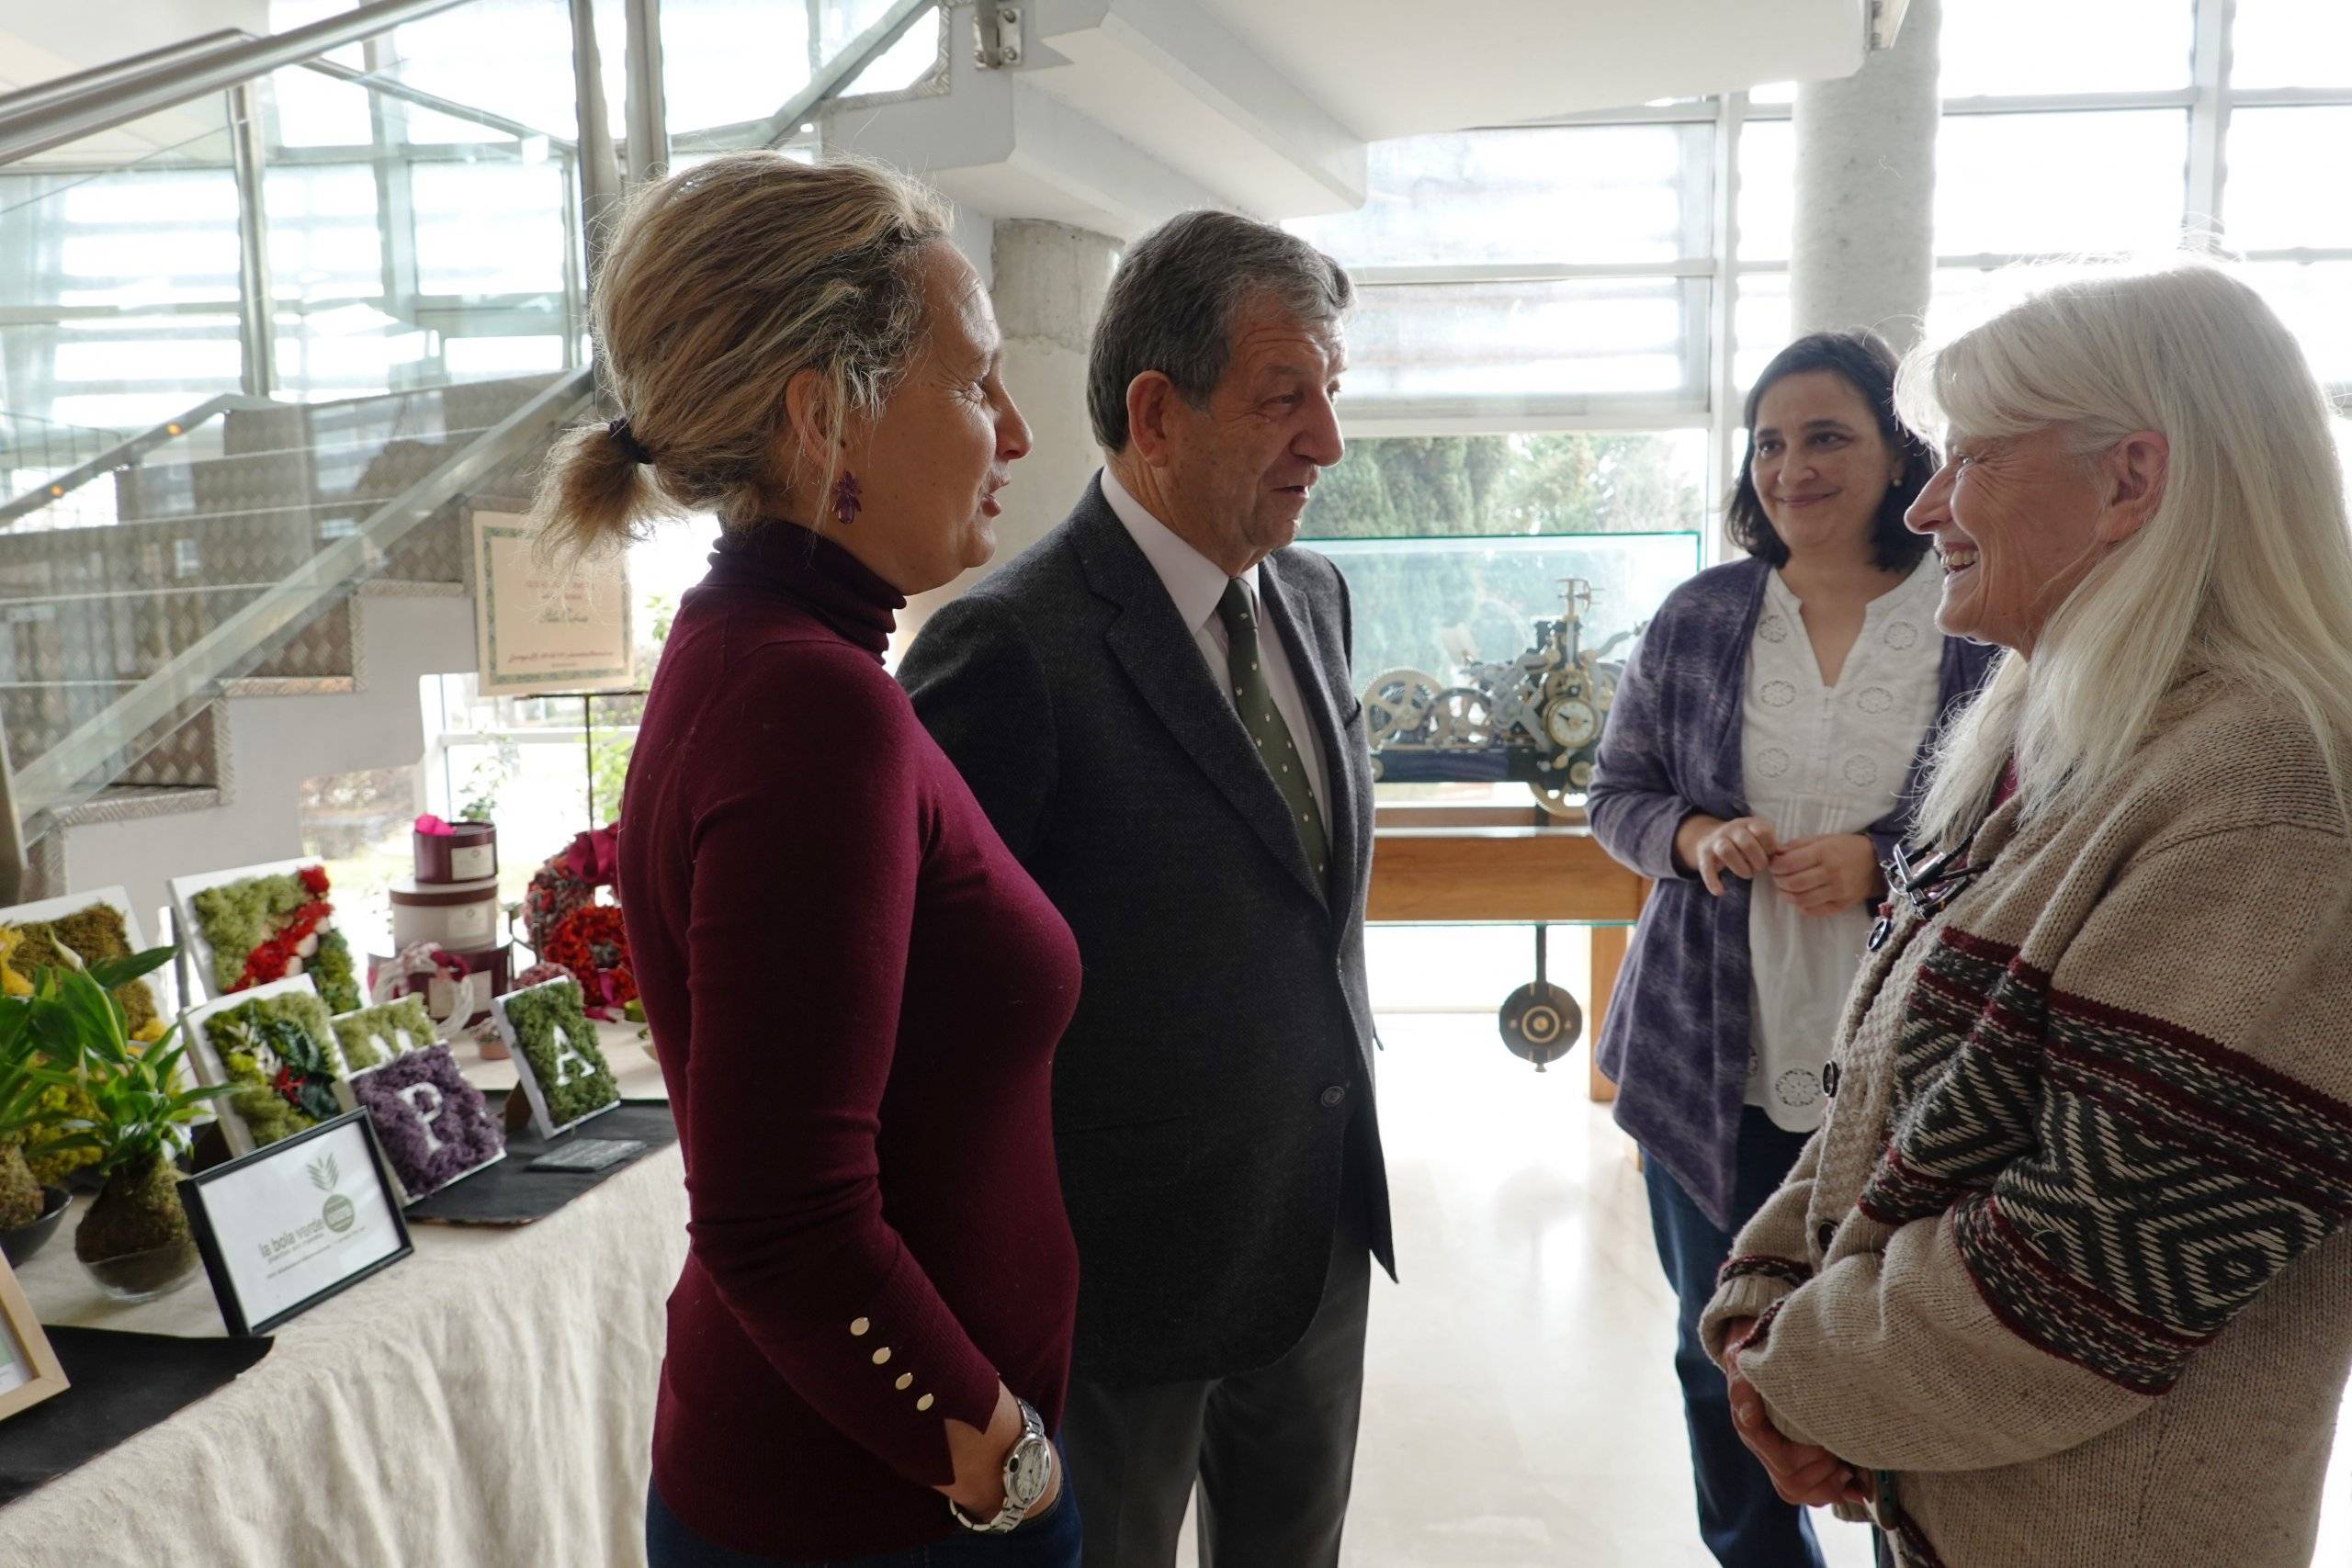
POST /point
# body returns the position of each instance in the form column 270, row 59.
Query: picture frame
column 546, row 1102
column 29, row 1370
column 72, row 903
column 194, row 944
column 271, row 1255
column 210, row 1068
column 537, row 631
column 412, row 1129
column 116, row 898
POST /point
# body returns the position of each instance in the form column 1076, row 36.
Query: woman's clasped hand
column 1802, row 1473
column 1819, row 875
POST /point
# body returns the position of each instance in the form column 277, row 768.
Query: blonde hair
column 722, row 283
column 2244, row 569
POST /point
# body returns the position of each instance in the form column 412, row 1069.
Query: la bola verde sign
column 295, row 1221
column 336, row 1211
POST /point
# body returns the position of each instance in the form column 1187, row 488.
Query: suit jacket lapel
column 1316, row 689
column 1158, row 652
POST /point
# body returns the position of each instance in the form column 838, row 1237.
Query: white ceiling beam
column 1170, row 75
column 998, row 146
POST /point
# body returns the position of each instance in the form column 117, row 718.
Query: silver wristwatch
column 1028, row 1476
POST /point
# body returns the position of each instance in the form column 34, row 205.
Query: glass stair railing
column 257, row 348
column 272, row 308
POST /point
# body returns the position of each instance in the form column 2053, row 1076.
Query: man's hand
column 1829, row 873
column 1712, row 847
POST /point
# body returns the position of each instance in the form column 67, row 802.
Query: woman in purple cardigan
column 1760, row 765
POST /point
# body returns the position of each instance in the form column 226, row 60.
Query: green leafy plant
column 138, row 1113
column 480, row 792
column 26, row 1132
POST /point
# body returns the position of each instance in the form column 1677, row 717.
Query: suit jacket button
column 1335, row 1094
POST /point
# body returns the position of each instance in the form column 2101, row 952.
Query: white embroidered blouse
column 1821, row 759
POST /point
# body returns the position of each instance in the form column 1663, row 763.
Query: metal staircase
column 273, row 310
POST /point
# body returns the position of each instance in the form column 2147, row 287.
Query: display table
column 487, row 1400
column 1442, row 864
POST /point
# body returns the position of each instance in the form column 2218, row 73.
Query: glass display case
column 1493, row 662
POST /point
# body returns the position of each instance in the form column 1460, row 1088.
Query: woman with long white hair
column 2063, row 1279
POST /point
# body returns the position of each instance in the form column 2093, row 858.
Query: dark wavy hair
column 1865, row 363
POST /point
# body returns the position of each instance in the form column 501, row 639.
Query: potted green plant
column 29, row 1211
column 134, row 1238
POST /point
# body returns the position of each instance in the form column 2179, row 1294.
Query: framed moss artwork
column 253, row 924
column 94, row 925
column 561, row 1067
column 274, row 1047
column 372, row 1036
column 433, row 1126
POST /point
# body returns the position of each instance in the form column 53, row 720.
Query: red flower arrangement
column 592, row 943
column 268, row 961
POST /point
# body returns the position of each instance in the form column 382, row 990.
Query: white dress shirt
column 1821, row 759
column 1195, row 583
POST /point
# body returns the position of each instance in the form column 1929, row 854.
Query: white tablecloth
column 486, row 1401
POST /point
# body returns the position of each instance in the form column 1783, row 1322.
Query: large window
column 1527, row 388
column 2128, row 126
column 1557, row 325
column 1527, row 393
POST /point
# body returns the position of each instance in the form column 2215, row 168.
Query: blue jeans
column 1049, row 1542
column 1741, row 1519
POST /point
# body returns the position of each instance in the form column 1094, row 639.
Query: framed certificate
column 29, row 1371
column 539, row 628
column 305, row 1218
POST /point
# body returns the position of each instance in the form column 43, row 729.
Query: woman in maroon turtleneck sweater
column 856, row 991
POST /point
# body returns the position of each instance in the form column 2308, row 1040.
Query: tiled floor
column 1519, row 1404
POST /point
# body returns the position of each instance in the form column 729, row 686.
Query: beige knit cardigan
column 2067, row 1261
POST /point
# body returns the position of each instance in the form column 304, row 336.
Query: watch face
column 1025, row 1472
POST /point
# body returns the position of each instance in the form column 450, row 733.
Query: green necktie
column 1255, row 704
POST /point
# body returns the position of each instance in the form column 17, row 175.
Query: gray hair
column 1171, row 307
column 2245, row 567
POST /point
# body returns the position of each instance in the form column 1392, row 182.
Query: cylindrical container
column 466, row 852
column 459, row 916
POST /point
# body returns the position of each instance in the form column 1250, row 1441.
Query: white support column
column 1048, row 287
column 1863, row 252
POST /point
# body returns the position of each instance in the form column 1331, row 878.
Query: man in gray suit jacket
column 1153, row 705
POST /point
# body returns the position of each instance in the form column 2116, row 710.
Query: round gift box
column 496, row 962
column 468, row 853
column 459, row 916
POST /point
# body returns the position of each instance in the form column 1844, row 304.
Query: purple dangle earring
column 846, row 499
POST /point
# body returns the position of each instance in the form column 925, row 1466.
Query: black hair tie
column 625, row 439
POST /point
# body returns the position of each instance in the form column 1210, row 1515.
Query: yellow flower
column 11, row 983
column 148, row 1032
